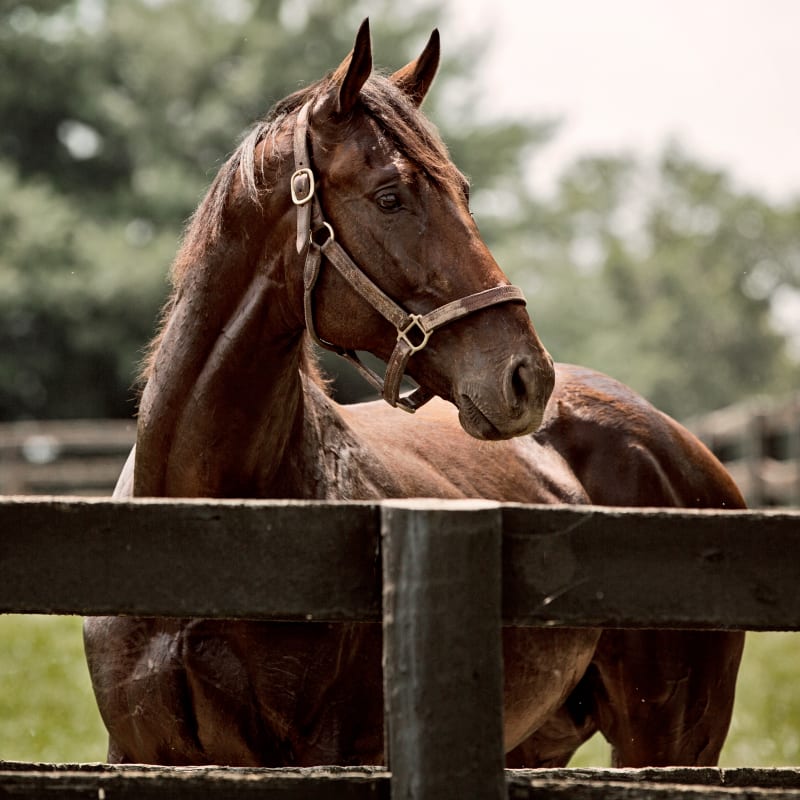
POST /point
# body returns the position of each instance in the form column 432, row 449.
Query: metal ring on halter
column 415, row 321
column 330, row 238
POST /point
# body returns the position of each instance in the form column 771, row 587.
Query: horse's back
column 625, row 452
column 430, row 455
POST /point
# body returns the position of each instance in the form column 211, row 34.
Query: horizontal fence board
column 278, row 560
column 134, row 782
column 663, row 783
column 575, row 566
column 126, row 782
column 562, row 565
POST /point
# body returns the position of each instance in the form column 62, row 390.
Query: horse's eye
column 388, row 201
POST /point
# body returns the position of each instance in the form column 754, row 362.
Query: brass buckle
column 415, row 321
column 300, row 173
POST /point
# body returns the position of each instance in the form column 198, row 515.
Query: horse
column 340, row 219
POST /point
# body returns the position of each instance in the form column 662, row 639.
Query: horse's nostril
column 518, row 384
column 520, row 381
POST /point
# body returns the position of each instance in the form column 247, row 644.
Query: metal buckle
column 300, row 173
column 415, row 321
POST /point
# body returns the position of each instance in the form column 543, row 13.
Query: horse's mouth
column 478, row 421
column 475, row 421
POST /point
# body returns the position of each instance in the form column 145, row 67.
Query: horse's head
column 393, row 246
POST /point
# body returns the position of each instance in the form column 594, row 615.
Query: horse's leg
column 116, row 755
column 555, row 742
column 666, row 697
column 140, row 688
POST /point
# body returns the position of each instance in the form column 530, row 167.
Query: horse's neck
column 331, row 459
column 225, row 387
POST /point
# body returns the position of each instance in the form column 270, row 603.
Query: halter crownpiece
column 413, row 330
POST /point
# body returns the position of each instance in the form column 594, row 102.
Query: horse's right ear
column 416, row 78
column 353, row 72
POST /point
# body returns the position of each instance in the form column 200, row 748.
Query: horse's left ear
column 416, row 78
column 353, row 72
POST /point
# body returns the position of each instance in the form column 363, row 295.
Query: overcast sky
column 721, row 76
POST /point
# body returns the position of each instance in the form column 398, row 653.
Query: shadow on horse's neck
column 224, row 399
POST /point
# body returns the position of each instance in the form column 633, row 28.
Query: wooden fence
column 71, row 457
column 758, row 441
column 424, row 569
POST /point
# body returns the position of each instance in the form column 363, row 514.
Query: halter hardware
column 325, row 227
column 415, row 321
column 302, row 194
column 310, row 222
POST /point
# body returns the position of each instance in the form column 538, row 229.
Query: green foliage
column 116, row 115
column 663, row 278
column 77, row 301
column 124, row 111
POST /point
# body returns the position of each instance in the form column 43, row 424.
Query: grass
column 47, row 711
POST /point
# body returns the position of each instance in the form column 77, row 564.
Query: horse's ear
column 416, row 78
column 353, row 72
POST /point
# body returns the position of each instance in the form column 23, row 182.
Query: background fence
column 759, row 443
column 73, row 457
column 368, row 562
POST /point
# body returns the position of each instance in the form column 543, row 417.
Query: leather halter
column 413, row 330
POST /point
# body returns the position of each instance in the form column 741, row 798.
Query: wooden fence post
column 442, row 654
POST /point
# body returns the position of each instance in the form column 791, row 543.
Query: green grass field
column 47, row 711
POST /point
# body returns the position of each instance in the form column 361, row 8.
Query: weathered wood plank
column 743, row 777
column 442, row 664
column 572, row 566
column 665, row 783
column 133, row 782
column 129, row 782
column 278, row 560
column 604, row 567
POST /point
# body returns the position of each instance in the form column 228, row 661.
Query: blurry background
column 633, row 168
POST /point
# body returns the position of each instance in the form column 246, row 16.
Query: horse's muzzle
column 513, row 404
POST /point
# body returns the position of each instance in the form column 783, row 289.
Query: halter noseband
column 413, row 330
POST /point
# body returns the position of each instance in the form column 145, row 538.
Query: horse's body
column 233, row 407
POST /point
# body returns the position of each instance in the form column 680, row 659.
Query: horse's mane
column 398, row 118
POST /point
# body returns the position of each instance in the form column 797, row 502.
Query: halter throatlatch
column 413, row 330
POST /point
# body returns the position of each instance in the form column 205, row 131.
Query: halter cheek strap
column 413, row 330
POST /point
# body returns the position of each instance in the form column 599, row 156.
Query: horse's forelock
column 412, row 133
column 398, row 117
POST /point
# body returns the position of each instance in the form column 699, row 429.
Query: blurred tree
column 117, row 112
column 116, row 115
column 665, row 277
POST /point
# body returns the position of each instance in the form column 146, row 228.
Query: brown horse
column 341, row 218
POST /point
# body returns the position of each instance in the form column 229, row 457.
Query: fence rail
column 758, row 441
column 562, row 565
column 70, row 457
column 536, row 565
column 137, row 782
